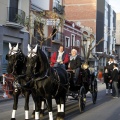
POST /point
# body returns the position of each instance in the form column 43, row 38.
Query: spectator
column 109, row 65
column 114, row 79
column 75, row 63
column 100, row 75
column 106, row 80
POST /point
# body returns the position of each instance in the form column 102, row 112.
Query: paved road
column 106, row 108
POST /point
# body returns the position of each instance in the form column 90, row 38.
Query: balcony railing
column 15, row 17
column 58, row 8
column 58, row 37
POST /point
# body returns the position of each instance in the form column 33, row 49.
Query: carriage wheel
column 94, row 91
column 82, row 99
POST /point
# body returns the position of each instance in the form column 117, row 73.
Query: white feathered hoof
column 13, row 119
column 33, row 114
column 41, row 113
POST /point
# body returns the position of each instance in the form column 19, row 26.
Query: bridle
column 16, row 54
column 32, row 54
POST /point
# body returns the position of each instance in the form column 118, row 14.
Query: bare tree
column 90, row 48
column 41, row 17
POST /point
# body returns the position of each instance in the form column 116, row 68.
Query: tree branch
column 90, row 49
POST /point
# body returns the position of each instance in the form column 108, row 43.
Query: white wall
column 3, row 11
column 43, row 4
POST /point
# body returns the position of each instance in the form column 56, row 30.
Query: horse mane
column 43, row 61
column 22, row 57
column 22, row 62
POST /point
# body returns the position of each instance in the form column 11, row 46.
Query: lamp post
column 84, row 45
column 84, row 41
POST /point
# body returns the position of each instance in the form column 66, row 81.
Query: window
column 78, row 43
column 67, row 42
column 13, row 10
column 72, row 40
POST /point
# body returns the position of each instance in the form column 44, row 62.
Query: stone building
column 11, row 29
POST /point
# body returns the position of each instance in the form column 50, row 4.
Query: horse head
column 16, row 60
column 37, row 62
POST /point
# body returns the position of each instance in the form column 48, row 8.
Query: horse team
column 33, row 75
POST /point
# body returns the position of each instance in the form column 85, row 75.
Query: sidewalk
column 1, row 95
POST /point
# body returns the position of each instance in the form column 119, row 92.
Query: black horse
column 16, row 67
column 48, row 82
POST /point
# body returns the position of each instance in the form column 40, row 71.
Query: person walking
column 114, row 79
column 59, row 58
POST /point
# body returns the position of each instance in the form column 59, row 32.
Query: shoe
column 106, row 91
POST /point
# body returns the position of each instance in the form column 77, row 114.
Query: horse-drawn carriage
column 33, row 74
column 86, row 82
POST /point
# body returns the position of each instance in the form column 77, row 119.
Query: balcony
column 58, row 8
column 15, row 18
column 58, row 38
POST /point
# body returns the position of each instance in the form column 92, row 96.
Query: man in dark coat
column 75, row 63
column 59, row 58
column 107, row 79
column 114, row 79
column 109, row 66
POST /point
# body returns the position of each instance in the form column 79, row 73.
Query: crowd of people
column 110, row 74
column 111, row 77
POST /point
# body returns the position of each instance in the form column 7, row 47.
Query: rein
column 17, row 85
column 41, row 78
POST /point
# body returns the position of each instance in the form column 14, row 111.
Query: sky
column 115, row 5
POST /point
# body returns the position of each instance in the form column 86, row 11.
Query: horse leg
column 39, row 105
column 37, row 117
column 62, row 104
column 42, row 106
column 27, row 94
column 49, row 103
column 33, row 113
column 60, row 107
column 15, row 96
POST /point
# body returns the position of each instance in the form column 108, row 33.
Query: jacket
column 110, row 69
column 75, row 63
column 54, row 56
column 115, row 75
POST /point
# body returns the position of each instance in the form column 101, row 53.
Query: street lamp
column 84, row 46
column 84, row 41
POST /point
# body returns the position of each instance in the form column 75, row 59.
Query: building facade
column 11, row 28
column 99, row 16
column 105, row 27
column 53, row 11
column 73, row 37
column 117, row 45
